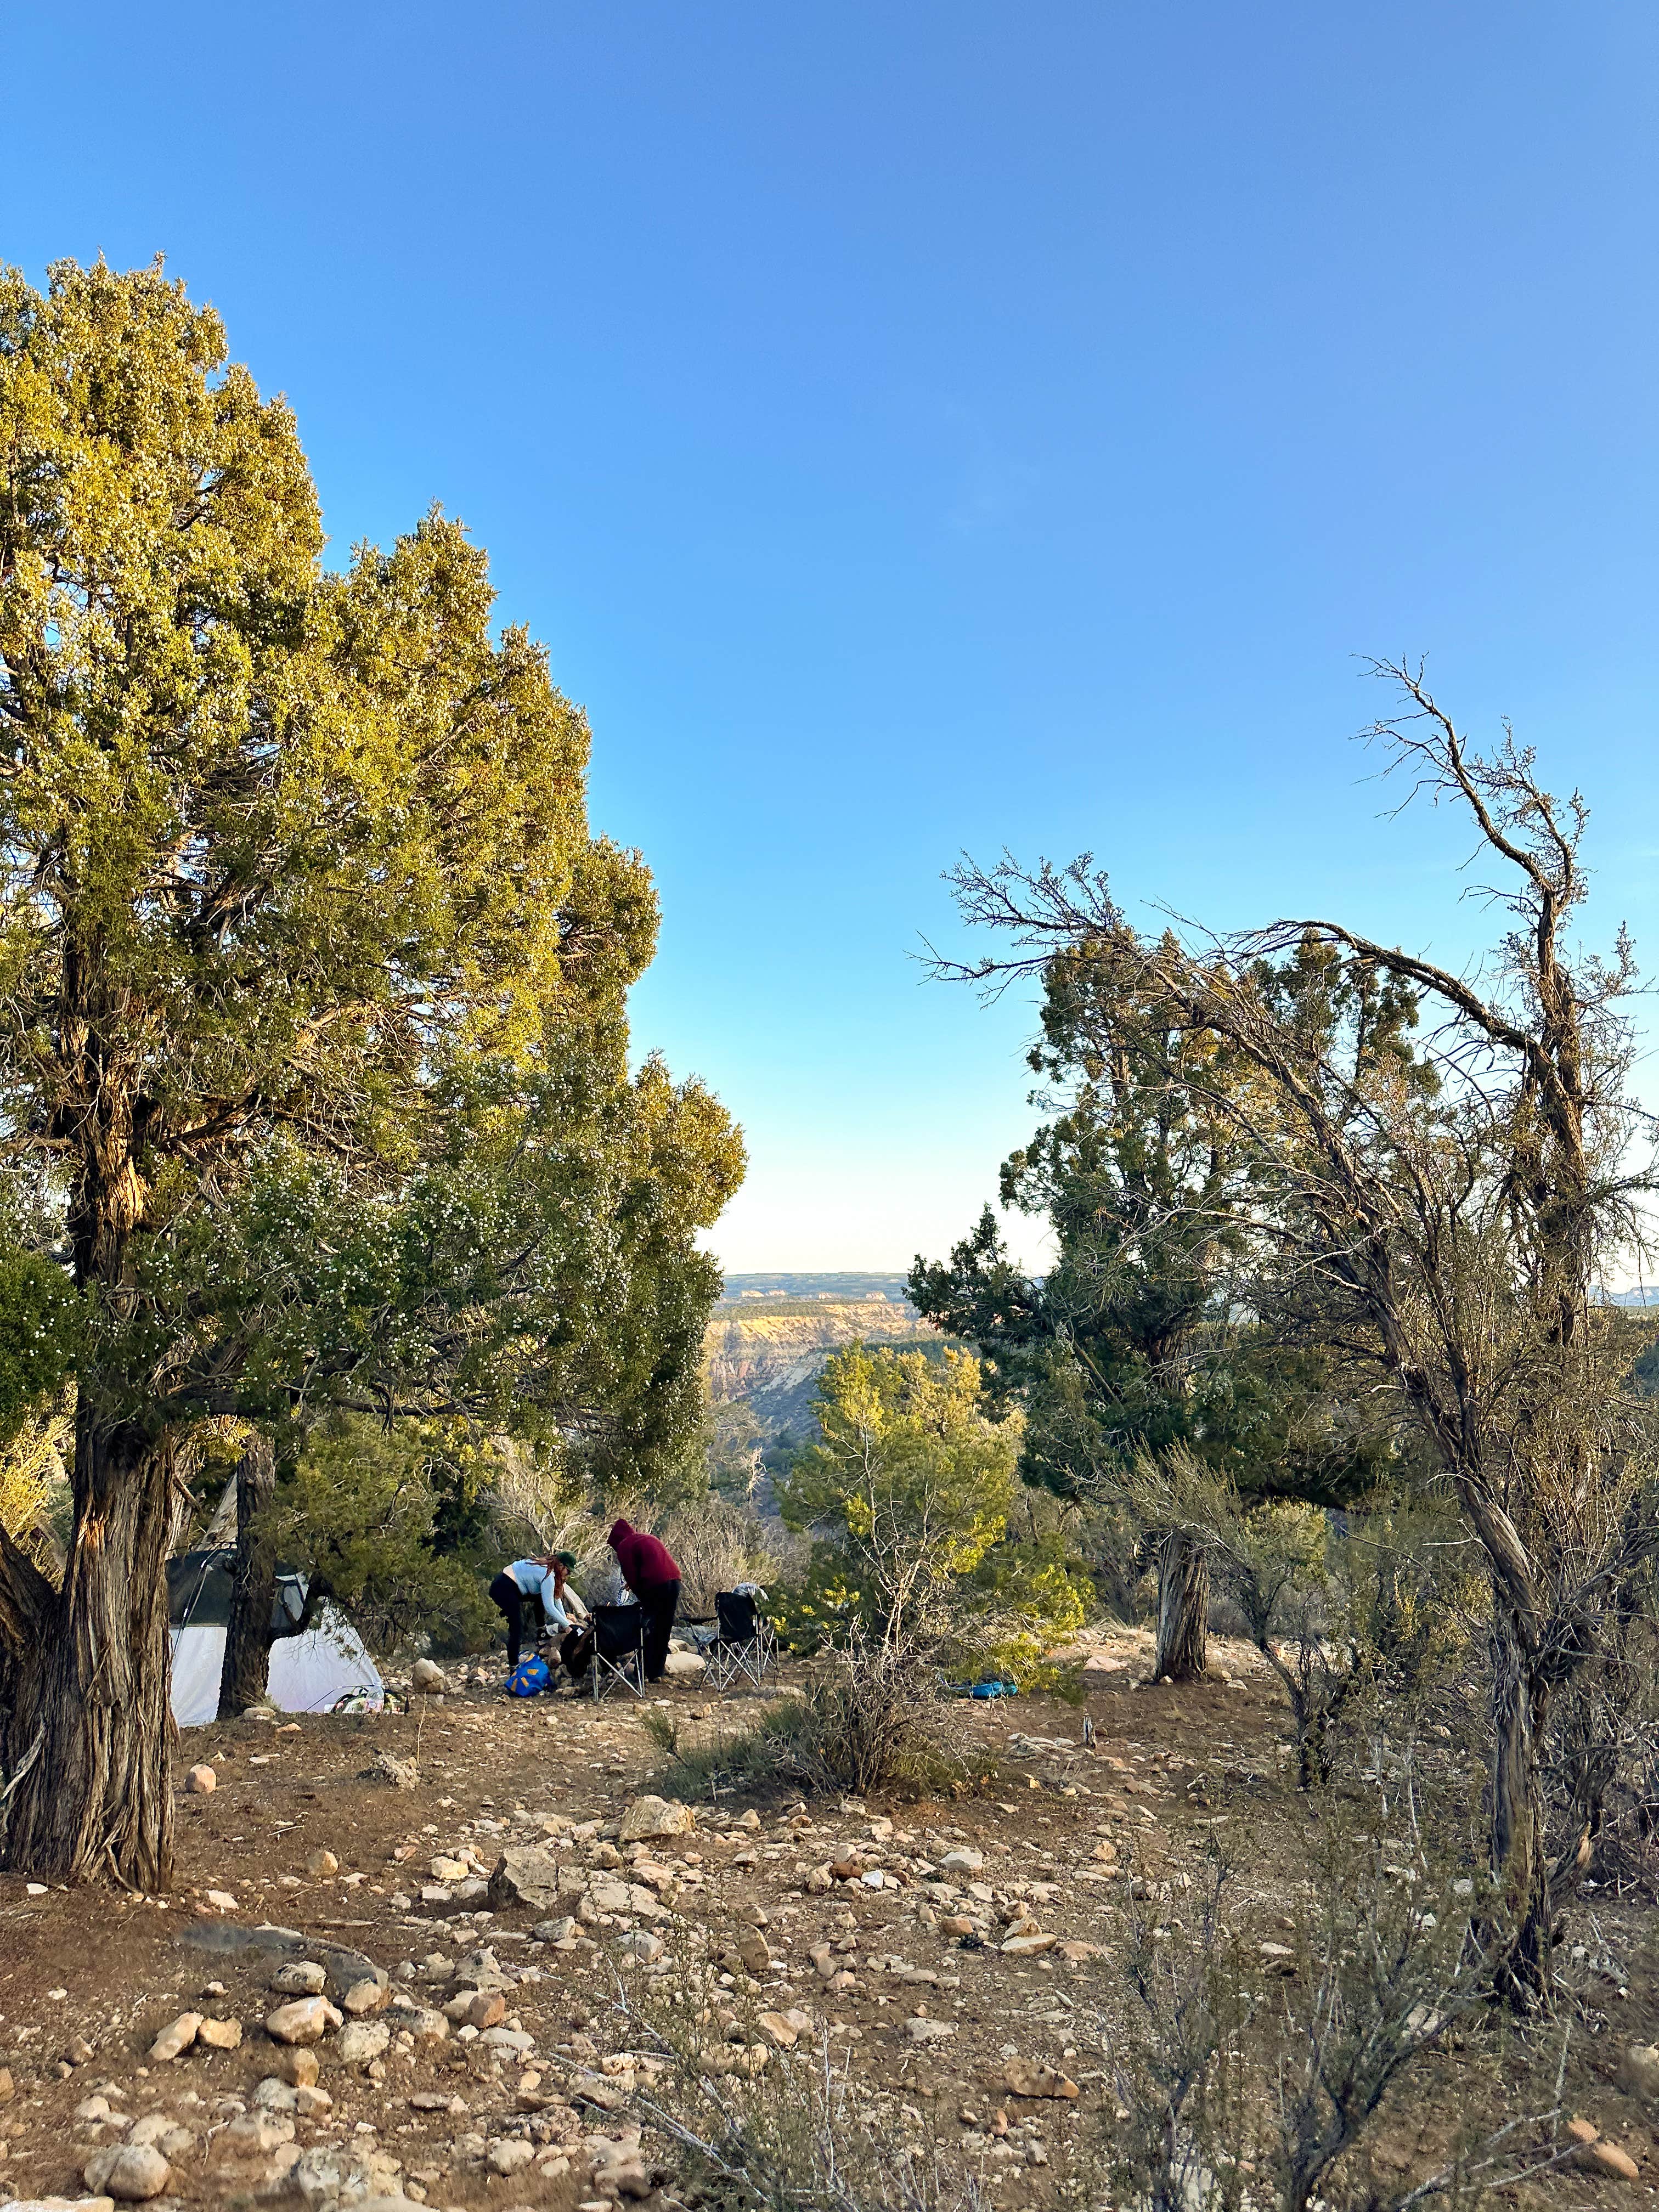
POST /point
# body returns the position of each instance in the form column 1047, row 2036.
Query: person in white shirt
column 542, row 1578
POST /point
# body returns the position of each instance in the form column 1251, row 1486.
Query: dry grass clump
column 869, row 1717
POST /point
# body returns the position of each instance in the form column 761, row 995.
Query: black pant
column 659, row 1607
column 510, row 1599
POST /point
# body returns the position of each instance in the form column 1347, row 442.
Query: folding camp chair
column 618, row 1652
column 745, row 1643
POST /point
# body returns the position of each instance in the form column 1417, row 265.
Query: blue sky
column 921, row 427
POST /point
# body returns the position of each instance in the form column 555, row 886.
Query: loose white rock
column 303, row 1978
column 647, row 1818
column 130, row 2172
column 176, row 2039
column 362, row 2040
column 307, row 2020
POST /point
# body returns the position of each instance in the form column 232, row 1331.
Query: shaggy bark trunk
column 87, row 1788
column 248, row 1638
column 1519, row 1702
column 1183, row 1604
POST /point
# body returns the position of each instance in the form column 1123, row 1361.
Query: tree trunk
column 246, row 1677
column 1519, row 1702
column 87, row 1788
column 1183, row 1604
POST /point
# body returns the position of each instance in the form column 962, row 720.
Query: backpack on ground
column 529, row 1678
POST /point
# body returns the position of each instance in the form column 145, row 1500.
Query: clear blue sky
column 916, row 428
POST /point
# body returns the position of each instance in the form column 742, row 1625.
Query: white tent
column 324, row 1669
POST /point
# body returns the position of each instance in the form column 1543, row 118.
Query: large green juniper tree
column 282, row 853
column 1140, row 1338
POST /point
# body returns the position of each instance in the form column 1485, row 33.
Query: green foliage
column 374, row 1512
column 40, row 1329
column 912, row 1483
column 313, row 977
column 908, row 1497
column 1022, row 1598
column 1138, row 1339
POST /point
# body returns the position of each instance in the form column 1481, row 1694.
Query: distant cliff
column 767, row 1352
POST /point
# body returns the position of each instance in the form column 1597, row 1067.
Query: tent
column 324, row 1669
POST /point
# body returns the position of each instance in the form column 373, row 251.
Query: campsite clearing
column 923, row 2021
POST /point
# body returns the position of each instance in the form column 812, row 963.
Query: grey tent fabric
column 325, row 1669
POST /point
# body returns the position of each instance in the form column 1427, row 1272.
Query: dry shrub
column 870, row 1716
column 1238, row 2082
column 1246, row 2075
column 717, row 1545
column 796, row 2134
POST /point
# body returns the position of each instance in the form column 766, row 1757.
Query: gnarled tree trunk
column 1183, row 1605
column 87, row 1787
column 246, row 1677
column 1520, row 1701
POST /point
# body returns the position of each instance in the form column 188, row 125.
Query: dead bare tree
column 1451, row 1245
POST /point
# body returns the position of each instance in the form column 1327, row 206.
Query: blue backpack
column 529, row 1678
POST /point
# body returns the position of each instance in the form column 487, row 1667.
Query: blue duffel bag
column 529, row 1678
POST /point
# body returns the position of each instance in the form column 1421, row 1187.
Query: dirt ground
column 527, row 2102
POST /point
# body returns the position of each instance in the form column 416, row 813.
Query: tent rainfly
column 324, row 1669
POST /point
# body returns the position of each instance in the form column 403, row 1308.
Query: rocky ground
column 437, row 1957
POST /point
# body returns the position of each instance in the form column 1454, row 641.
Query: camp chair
column 619, row 1650
column 745, row 1643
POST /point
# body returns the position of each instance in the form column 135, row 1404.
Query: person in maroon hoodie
column 648, row 1569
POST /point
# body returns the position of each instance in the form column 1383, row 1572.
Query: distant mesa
column 741, row 1289
column 770, row 1334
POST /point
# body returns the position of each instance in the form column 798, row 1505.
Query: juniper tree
column 280, row 848
column 1451, row 1245
column 1139, row 1337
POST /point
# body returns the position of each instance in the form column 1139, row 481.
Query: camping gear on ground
column 324, row 1668
column 618, row 1649
column 744, row 1642
column 991, row 1689
column 530, row 1678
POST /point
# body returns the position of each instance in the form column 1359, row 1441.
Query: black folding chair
column 618, row 1655
column 745, row 1642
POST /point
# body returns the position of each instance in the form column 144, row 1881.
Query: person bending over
column 542, row 1578
column 649, row 1572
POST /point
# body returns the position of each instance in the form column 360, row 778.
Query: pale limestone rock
column 130, row 2173
column 525, row 1874
column 255, row 2135
column 304, row 1978
column 362, row 2040
column 172, row 2041
column 305, row 2021
column 1027, row 2077
column 649, row 1818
